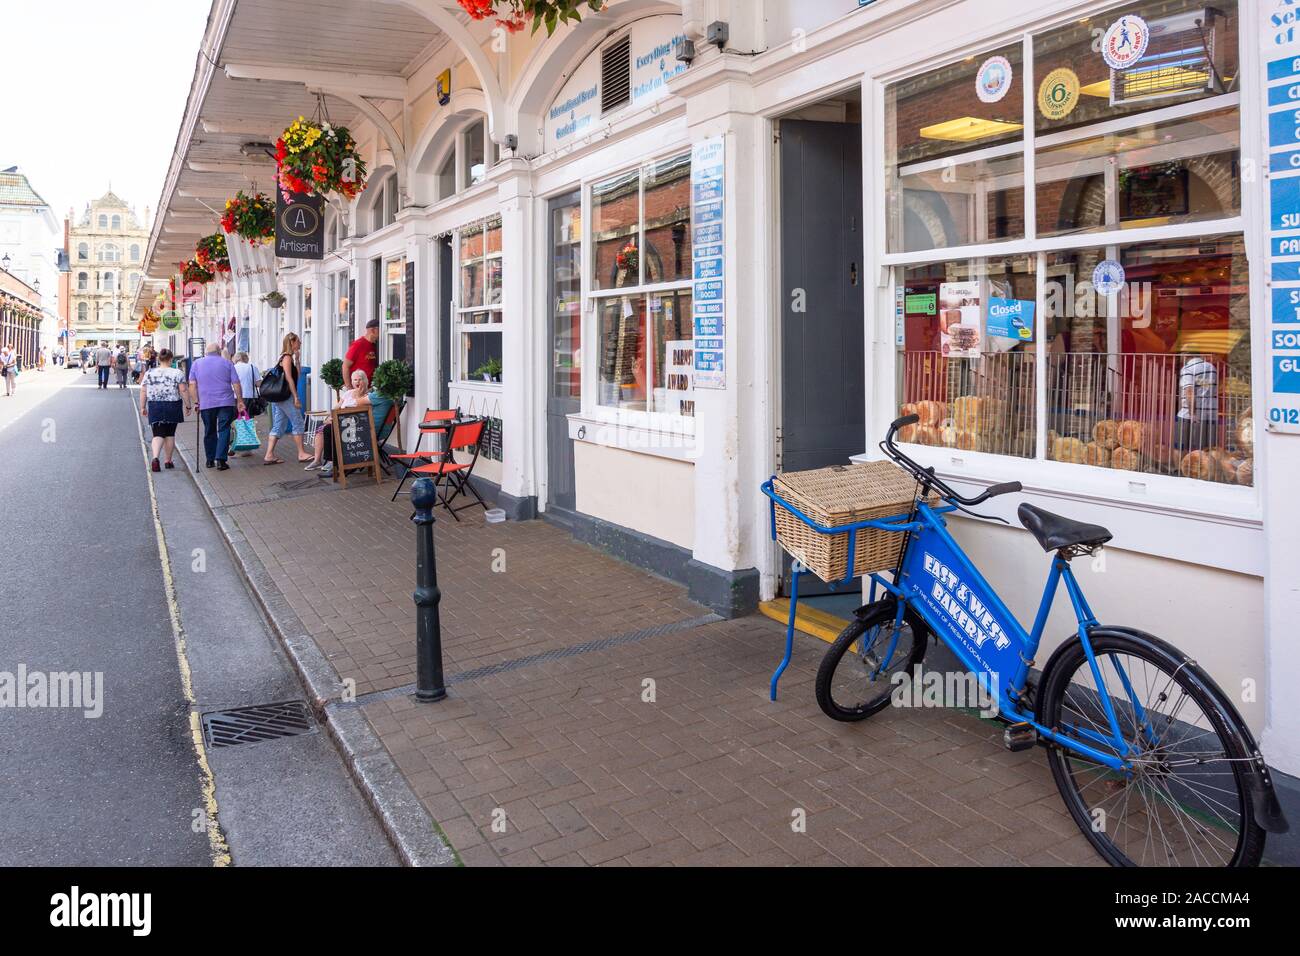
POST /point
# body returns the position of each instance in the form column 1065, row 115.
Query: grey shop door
column 823, row 391
column 564, row 328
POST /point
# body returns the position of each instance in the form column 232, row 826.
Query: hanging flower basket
column 250, row 217
column 194, row 271
column 317, row 158
column 211, row 253
column 514, row 15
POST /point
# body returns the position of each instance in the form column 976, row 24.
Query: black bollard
column 428, row 628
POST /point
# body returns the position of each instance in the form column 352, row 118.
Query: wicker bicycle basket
column 841, row 495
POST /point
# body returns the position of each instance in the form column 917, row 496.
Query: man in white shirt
column 1198, row 403
column 103, row 363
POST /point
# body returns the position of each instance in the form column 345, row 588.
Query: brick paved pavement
column 566, row 750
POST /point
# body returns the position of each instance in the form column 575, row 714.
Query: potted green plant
column 274, row 299
column 490, row 371
column 394, row 380
column 331, row 373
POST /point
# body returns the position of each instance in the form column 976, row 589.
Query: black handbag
column 274, row 387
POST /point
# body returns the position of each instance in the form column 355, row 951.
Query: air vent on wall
column 616, row 74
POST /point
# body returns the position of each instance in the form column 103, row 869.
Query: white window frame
column 1162, row 493
column 461, row 376
column 662, row 424
column 389, row 327
column 103, row 252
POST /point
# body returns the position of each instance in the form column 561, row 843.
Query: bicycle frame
column 941, row 584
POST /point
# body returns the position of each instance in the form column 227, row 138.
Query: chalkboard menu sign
column 354, row 443
column 410, row 321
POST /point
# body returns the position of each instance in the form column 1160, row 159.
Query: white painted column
column 729, row 422
column 423, row 352
column 521, row 401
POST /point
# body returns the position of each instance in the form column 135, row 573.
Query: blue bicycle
column 1151, row 757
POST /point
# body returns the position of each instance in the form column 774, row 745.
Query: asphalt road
column 83, row 591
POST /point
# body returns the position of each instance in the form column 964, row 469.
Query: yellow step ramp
column 807, row 619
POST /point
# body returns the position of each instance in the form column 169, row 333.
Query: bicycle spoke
column 1179, row 801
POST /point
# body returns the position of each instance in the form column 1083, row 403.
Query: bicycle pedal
column 1021, row 736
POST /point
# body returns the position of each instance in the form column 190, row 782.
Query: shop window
column 972, row 390
column 336, row 288
column 473, row 148
column 954, row 145
column 1097, row 352
column 641, row 262
column 306, row 325
column 447, row 175
column 479, row 313
column 394, row 324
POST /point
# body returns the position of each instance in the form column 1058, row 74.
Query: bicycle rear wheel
column 856, row 676
column 1185, row 802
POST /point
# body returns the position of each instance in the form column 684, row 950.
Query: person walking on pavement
column 218, row 398
column 286, row 416
column 122, row 365
column 248, row 377
column 103, row 363
column 164, row 400
column 9, row 368
column 85, row 359
column 40, row 360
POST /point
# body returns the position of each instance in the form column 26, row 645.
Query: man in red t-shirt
column 362, row 354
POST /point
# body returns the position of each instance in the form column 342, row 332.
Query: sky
column 93, row 92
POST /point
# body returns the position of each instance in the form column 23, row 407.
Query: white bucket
column 494, row 515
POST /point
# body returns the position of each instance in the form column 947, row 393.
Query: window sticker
column 994, row 79
column 1125, row 42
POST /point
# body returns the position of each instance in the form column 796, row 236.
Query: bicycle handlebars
column 928, row 478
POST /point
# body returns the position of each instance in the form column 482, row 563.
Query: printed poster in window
column 709, row 291
column 959, row 319
column 679, row 370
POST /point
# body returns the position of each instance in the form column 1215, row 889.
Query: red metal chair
column 418, row 457
column 467, row 437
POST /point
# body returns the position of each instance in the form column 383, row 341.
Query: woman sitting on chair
column 355, row 397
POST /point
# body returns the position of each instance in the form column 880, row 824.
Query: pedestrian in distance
column 164, row 401
column 248, row 377
column 40, row 360
column 9, row 368
column 85, row 359
column 122, row 365
column 219, row 398
column 103, row 364
column 286, row 415
column 363, row 353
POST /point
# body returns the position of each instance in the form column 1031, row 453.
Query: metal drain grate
column 250, row 725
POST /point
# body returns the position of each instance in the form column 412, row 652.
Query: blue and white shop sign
column 577, row 108
column 709, row 294
column 1280, row 37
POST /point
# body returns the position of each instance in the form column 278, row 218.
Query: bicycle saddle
column 1055, row 532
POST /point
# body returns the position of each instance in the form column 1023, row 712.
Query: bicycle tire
column 881, row 613
column 1184, row 804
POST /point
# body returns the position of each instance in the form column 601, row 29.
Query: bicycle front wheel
column 1185, row 801
column 859, row 671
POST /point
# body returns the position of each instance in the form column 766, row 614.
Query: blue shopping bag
column 245, row 435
